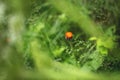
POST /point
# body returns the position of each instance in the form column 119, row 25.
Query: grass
column 34, row 47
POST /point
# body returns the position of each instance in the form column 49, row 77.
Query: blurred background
column 33, row 44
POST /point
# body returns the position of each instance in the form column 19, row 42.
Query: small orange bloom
column 68, row 35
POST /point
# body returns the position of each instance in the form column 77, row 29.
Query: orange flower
column 68, row 35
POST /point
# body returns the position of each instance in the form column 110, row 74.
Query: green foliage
column 34, row 47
